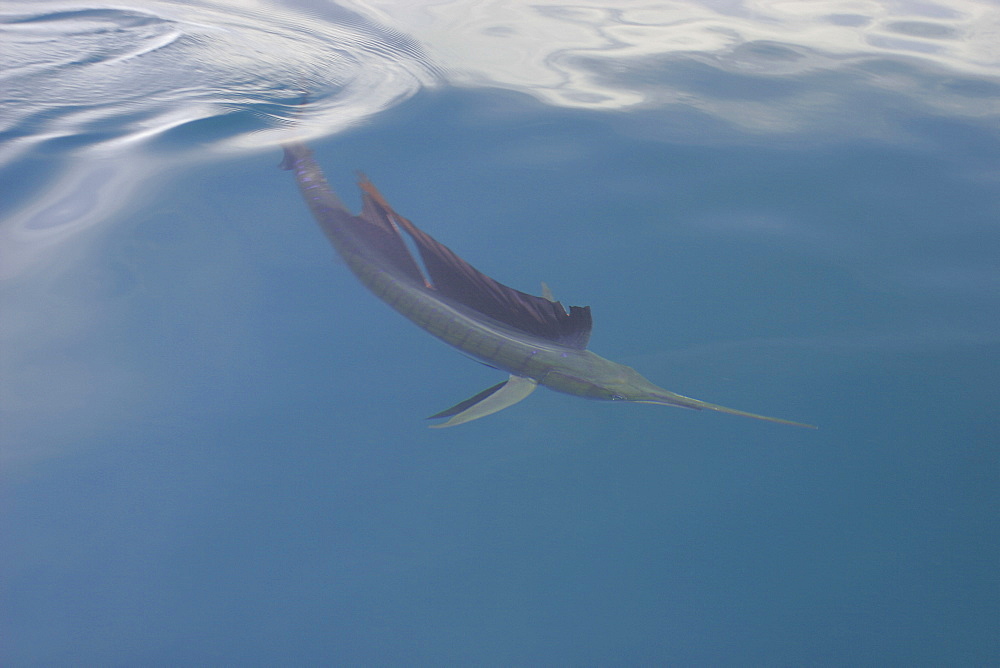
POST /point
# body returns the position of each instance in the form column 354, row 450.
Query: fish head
column 594, row 377
column 627, row 384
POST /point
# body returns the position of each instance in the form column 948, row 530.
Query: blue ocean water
column 213, row 438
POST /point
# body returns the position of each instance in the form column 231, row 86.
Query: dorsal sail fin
column 456, row 279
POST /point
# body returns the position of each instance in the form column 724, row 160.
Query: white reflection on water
column 128, row 71
column 591, row 53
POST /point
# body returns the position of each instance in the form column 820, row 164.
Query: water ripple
column 116, row 73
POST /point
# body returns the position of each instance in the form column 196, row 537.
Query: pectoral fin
column 487, row 402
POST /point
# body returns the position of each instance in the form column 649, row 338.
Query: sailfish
column 532, row 338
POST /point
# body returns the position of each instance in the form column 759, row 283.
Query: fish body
column 534, row 339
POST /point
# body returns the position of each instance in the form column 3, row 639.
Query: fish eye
column 617, row 397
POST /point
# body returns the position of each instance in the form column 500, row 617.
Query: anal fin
column 487, row 402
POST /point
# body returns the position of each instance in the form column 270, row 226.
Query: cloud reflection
column 564, row 52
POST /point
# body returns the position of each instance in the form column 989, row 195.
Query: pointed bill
column 666, row 398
